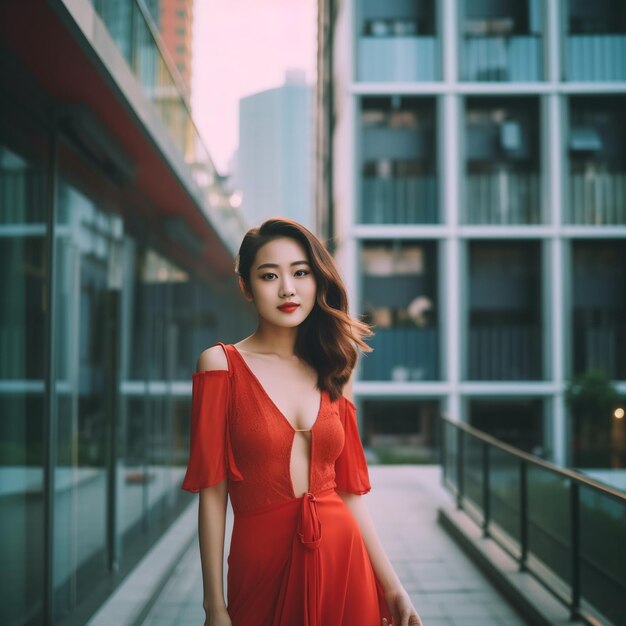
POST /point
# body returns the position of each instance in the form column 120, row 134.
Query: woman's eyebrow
column 276, row 264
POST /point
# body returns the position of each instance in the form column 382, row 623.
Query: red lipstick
column 288, row 307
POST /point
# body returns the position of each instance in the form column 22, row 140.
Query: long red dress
column 293, row 561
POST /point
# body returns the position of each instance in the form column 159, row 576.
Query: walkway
column 445, row 586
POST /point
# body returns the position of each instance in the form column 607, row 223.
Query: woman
column 273, row 429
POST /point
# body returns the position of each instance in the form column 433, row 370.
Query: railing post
column 486, row 489
column 459, row 468
column 575, row 547
column 523, row 514
column 442, row 449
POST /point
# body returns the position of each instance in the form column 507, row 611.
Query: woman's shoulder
column 212, row 359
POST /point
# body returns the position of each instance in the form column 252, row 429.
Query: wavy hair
column 329, row 338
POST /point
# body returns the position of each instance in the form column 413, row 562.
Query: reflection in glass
column 87, row 277
column 23, row 276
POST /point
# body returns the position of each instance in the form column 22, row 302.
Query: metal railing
column 400, row 59
column 399, row 200
column 504, row 196
column 495, row 59
column 597, row 195
column 565, row 529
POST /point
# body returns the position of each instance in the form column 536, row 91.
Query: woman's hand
column 402, row 609
column 217, row 617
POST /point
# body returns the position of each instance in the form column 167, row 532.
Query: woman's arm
column 402, row 609
column 211, row 531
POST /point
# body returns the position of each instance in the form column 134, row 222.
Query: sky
column 242, row 47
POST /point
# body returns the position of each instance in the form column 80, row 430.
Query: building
column 174, row 19
column 471, row 168
column 117, row 249
column 275, row 154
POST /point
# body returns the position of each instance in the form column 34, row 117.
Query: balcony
column 398, row 59
column 597, row 195
column 402, row 355
column 398, row 199
column 505, row 196
column 397, row 41
column 505, row 352
column 497, row 59
column 399, row 162
column 595, row 58
column 502, row 41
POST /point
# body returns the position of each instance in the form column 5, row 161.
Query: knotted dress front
column 293, row 561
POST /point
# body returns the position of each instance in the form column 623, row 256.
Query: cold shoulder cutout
column 351, row 473
column 211, row 458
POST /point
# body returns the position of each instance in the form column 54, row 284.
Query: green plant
column 591, row 398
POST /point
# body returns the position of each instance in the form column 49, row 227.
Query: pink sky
column 242, row 47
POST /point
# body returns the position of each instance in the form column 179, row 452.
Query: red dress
column 293, row 561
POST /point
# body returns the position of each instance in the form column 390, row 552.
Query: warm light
column 619, row 413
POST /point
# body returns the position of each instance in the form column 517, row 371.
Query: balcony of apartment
column 398, row 167
column 399, row 295
column 595, row 41
column 397, row 41
column 597, row 161
column 502, row 41
column 505, row 335
column 502, row 182
column 599, row 307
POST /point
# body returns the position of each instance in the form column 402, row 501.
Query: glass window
column 87, row 271
column 502, row 182
column 597, row 161
column 518, row 422
column 505, row 335
column 399, row 161
column 23, row 315
column 599, row 307
column 399, row 295
column 502, row 40
column 401, row 431
column 397, row 41
column 595, row 41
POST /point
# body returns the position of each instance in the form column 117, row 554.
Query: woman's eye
column 266, row 276
column 302, row 272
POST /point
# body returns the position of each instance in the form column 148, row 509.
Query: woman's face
column 281, row 274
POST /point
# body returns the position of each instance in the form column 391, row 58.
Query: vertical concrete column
column 554, row 124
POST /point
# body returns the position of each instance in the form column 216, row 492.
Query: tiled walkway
column 445, row 586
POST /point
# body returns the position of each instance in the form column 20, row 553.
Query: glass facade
column 100, row 327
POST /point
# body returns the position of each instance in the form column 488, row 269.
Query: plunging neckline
column 269, row 398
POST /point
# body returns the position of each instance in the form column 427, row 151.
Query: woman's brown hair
column 328, row 338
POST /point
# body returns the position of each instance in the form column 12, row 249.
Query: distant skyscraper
column 175, row 24
column 275, row 159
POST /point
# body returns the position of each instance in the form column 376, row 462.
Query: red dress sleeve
column 351, row 473
column 210, row 456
